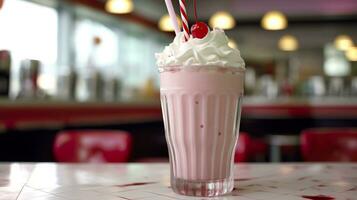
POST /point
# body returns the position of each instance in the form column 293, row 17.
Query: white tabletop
column 151, row 181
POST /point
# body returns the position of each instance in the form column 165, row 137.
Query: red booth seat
column 329, row 144
column 98, row 146
column 249, row 148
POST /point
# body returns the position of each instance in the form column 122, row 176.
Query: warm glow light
column 46, row 82
column 274, row 20
column 165, row 23
column 351, row 53
column 343, row 42
column 288, row 43
column 222, row 20
column 232, row 44
column 335, row 63
column 119, row 6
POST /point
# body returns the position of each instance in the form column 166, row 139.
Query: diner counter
column 315, row 181
column 23, row 114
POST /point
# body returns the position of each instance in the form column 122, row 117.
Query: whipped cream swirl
column 211, row 50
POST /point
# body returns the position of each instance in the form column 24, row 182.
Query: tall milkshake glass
column 201, row 85
column 201, row 108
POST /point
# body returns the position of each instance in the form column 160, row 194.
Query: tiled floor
column 151, row 181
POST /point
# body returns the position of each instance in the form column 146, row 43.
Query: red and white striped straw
column 184, row 19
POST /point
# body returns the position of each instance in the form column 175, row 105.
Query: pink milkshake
column 201, row 96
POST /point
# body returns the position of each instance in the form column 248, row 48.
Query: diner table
column 52, row 181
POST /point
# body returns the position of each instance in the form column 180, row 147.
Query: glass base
column 202, row 188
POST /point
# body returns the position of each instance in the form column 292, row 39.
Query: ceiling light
column 343, row 42
column 222, row 20
column 274, row 20
column 232, row 44
column 288, row 43
column 119, row 6
column 165, row 23
column 351, row 54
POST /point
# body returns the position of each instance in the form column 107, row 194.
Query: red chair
column 96, row 146
column 258, row 149
column 249, row 148
column 242, row 152
column 329, row 144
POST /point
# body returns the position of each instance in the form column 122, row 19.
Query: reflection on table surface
column 151, row 181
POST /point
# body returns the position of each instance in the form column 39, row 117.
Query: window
column 128, row 55
column 33, row 31
column 106, row 55
column 29, row 31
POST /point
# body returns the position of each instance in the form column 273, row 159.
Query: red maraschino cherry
column 199, row 30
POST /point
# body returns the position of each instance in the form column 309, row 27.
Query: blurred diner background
column 79, row 81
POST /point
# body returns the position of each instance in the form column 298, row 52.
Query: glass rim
column 172, row 68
